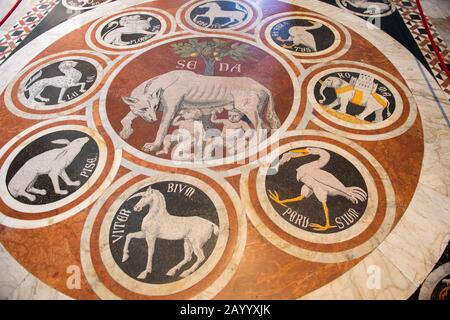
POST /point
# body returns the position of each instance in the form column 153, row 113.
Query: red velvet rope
column 10, row 12
column 430, row 37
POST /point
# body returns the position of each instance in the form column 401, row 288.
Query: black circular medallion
column 181, row 223
column 349, row 95
column 131, row 29
column 52, row 167
column 219, row 14
column 302, row 35
column 59, row 82
column 312, row 183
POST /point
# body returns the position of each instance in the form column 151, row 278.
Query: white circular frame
column 103, row 292
column 387, row 80
column 16, row 205
column 173, row 287
column 193, row 27
column 305, row 57
column 319, row 256
column 35, row 66
column 95, row 29
column 370, row 126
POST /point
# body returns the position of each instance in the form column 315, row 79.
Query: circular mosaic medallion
column 163, row 235
column 222, row 84
column 309, row 37
column 83, row 4
column 222, row 15
column 437, row 285
column 56, row 85
column 191, row 230
column 73, row 77
column 336, row 202
column 189, row 117
column 32, row 177
column 359, row 99
column 52, row 166
column 356, row 97
column 368, row 8
column 129, row 30
column 313, row 192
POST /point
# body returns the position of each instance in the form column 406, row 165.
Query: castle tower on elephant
column 364, row 82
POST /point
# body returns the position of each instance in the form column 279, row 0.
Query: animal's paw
column 82, row 90
column 76, row 183
column 30, row 197
column 149, row 147
column 125, row 256
column 372, row 10
column 126, row 133
column 143, row 275
column 45, row 99
column 171, row 272
column 161, row 152
column 41, row 192
column 276, row 197
column 319, row 227
column 62, row 192
column 61, row 101
column 185, row 274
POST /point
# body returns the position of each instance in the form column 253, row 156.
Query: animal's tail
column 33, row 79
column 240, row 9
column 388, row 109
column 215, row 229
column 355, row 194
column 271, row 116
column 112, row 25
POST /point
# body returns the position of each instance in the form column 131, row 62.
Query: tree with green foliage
column 212, row 51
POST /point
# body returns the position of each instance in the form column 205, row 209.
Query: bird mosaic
column 318, row 182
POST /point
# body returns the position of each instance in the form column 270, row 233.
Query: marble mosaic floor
column 231, row 149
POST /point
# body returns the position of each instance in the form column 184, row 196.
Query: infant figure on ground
column 189, row 126
column 234, row 135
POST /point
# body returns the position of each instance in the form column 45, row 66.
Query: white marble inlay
column 12, row 274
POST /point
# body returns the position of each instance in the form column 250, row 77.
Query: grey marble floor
column 439, row 13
